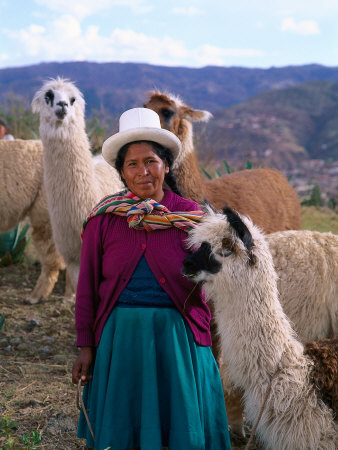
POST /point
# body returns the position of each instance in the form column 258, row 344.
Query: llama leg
column 73, row 270
column 69, row 290
column 232, row 396
column 233, row 404
column 51, row 260
column 51, row 263
column 234, row 408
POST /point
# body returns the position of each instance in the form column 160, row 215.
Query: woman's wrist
column 86, row 349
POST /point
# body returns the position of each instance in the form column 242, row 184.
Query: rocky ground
column 37, row 350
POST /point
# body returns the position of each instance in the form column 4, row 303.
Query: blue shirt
column 144, row 290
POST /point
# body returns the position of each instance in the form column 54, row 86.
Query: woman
column 155, row 382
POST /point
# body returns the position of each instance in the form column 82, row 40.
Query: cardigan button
column 162, row 280
column 144, row 246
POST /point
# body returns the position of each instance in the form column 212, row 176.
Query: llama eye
column 72, row 100
column 49, row 97
column 224, row 253
column 167, row 113
column 227, row 247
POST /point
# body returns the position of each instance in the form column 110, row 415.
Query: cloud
column 84, row 8
column 191, row 11
column 4, row 57
column 64, row 39
column 303, row 27
column 211, row 55
column 313, row 8
column 51, row 41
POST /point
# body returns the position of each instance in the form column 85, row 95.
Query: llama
column 235, row 264
column 22, row 194
column 262, row 194
column 306, row 263
column 324, row 354
column 74, row 181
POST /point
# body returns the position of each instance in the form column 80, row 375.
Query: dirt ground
column 37, row 350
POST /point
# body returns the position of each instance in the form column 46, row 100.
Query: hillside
column 280, row 127
column 114, row 87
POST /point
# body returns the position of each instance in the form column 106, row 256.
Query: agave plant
column 247, row 166
column 226, row 166
column 206, row 173
column 13, row 245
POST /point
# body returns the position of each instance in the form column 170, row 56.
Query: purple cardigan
column 109, row 255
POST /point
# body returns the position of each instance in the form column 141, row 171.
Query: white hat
column 139, row 124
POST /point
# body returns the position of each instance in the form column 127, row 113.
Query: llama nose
column 62, row 104
column 60, row 113
column 189, row 266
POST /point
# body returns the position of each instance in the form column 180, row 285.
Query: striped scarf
column 144, row 214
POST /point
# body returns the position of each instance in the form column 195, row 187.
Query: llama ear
column 208, row 208
column 36, row 104
column 239, row 226
column 195, row 115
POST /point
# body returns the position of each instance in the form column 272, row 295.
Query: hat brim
column 164, row 137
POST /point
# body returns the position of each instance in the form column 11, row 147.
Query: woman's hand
column 82, row 364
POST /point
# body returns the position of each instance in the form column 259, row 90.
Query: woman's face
column 144, row 171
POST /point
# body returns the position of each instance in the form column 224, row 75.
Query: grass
column 319, row 219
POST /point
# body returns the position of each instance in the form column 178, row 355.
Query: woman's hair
column 162, row 152
column 4, row 124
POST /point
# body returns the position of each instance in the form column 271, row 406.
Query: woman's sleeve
column 87, row 297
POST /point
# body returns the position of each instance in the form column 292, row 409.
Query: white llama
column 258, row 343
column 306, row 263
column 74, row 180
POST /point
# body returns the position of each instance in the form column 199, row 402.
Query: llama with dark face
column 234, row 262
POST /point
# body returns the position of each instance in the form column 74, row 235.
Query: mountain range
column 114, row 87
column 277, row 115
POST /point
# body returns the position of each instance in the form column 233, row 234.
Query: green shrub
column 13, row 245
column 315, row 197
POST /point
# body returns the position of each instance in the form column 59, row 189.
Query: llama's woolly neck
column 61, row 131
column 185, row 135
column 67, row 151
column 67, row 155
column 186, row 168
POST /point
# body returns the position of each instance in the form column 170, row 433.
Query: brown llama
column 262, row 194
column 324, row 354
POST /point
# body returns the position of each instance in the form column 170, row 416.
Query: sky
column 190, row 33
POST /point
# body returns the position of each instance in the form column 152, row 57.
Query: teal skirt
column 153, row 386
